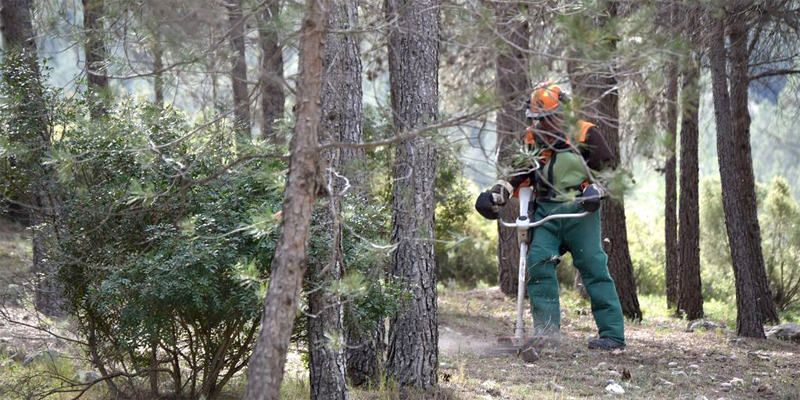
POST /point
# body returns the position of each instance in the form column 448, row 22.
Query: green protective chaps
column 582, row 238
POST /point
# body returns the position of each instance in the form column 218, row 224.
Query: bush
column 648, row 253
column 151, row 260
column 780, row 233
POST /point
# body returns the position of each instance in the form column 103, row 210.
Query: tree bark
column 344, row 116
column 670, row 178
column 513, row 86
column 34, row 134
column 265, row 372
column 158, row 73
column 413, row 356
column 690, row 294
column 341, row 111
column 272, row 95
column 747, row 246
column 96, row 54
column 749, row 320
column 597, row 84
column 241, row 99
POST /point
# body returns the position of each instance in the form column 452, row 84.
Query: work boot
column 605, row 343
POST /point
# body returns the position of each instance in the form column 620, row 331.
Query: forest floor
column 662, row 360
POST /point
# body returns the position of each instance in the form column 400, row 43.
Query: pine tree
column 265, row 369
column 413, row 354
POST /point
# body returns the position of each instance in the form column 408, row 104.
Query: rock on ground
column 704, row 324
column 786, row 332
column 615, row 389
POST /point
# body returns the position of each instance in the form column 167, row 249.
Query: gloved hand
column 491, row 201
column 591, row 197
column 501, row 192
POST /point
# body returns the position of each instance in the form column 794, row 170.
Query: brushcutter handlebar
column 524, row 223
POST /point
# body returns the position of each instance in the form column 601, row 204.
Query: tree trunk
column 512, row 86
column 241, row 99
column 747, row 248
column 96, row 54
column 749, row 320
column 671, row 195
column 596, row 83
column 344, row 116
column 690, row 295
column 153, row 373
column 265, row 372
column 578, row 286
column 19, row 38
column 341, row 110
column 272, row 96
column 413, row 356
column 158, row 73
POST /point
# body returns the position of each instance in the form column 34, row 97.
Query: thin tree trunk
column 153, row 374
column 747, row 247
column 272, row 96
column 577, row 284
column 671, row 194
column 158, row 73
column 341, row 110
column 749, row 320
column 413, row 356
column 96, row 54
column 512, row 86
column 265, row 372
column 241, row 99
column 19, row 39
column 364, row 352
column 690, row 295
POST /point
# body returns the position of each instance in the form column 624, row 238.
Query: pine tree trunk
column 341, row 112
column 512, row 86
column 158, row 73
column 690, row 295
column 508, row 251
column 272, row 96
column 96, row 53
column 747, row 249
column 19, row 37
column 265, row 369
column 413, row 354
column 671, row 193
column 749, row 319
column 365, row 349
column 326, row 339
column 241, row 99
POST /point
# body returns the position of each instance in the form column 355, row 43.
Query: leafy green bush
column 465, row 243
column 648, row 253
column 779, row 219
column 151, row 258
column 780, row 233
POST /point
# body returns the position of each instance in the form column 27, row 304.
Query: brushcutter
column 523, row 225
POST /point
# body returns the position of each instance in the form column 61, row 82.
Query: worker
column 569, row 157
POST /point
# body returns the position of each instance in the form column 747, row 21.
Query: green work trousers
column 582, row 239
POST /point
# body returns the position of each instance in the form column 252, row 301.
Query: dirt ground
column 662, row 360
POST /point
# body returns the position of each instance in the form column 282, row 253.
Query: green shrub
column 648, row 252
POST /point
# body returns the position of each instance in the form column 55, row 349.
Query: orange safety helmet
column 546, row 99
